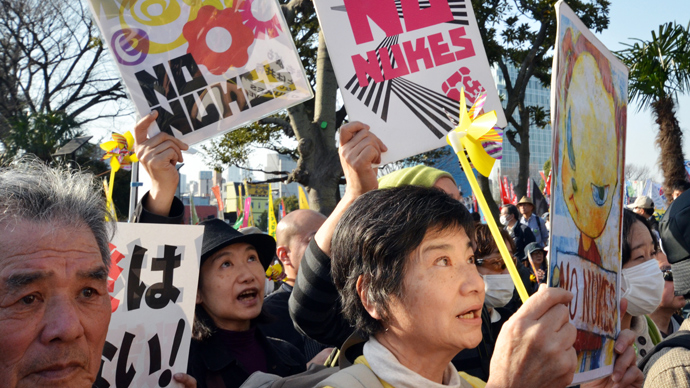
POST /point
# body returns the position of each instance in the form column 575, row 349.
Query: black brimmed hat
column 674, row 229
column 218, row 235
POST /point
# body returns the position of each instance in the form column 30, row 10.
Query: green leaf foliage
column 659, row 67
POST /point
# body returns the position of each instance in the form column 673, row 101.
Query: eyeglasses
column 668, row 274
column 495, row 264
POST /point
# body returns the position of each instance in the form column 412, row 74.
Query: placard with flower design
column 207, row 66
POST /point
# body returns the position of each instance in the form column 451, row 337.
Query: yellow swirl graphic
column 171, row 12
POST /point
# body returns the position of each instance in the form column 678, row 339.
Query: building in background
column 205, row 183
column 235, row 192
column 539, row 138
column 233, row 174
column 182, row 188
column 193, row 188
column 278, row 162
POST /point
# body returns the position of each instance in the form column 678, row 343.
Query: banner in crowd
column 589, row 101
column 204, row 67
column 401, row 65
column 655, row 191
column 152, row 284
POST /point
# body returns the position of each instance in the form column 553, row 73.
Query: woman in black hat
column 227, row 346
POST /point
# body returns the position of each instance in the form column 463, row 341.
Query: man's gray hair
column 33, row 191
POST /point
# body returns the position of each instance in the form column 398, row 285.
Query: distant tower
column 205, row 183
column 278, row 162
column 193, row 188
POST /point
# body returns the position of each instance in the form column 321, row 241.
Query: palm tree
column 659, row 71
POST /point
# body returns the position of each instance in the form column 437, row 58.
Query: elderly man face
column 54, row 305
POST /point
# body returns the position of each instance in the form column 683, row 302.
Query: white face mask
column 642, row 286
column 503, row 220
column 499, row 290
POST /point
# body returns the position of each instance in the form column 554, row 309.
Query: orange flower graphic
column 209, row 17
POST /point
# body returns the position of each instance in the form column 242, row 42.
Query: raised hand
column 158, row 156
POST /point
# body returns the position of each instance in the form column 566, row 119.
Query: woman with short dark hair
column 403, row 262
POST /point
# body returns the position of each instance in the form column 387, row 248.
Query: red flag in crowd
column 513, row 197
column 219, row 197
column 505, row 198
column 282, row 209
column 547, row 188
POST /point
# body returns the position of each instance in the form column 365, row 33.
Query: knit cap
column 420, row 175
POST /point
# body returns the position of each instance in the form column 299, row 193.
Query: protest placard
column 588, row 105
column 152, row 284
column 206, row 67
column 401, row 64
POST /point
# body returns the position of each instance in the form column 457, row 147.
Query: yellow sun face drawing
column 588, row 175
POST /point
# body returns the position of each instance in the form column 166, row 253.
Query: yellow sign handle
column 519, row 286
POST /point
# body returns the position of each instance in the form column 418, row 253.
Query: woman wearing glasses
column 498, row 285
column 666, row 316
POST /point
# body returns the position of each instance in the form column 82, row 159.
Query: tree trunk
column 670, row 142
column 524, row 158
column 486, row 190
column 318, row 167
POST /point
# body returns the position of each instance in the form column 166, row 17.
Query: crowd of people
column 397, row 287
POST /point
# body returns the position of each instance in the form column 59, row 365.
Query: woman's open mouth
column 248, row 296
column 471, row 314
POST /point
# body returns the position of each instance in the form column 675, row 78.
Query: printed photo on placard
column 401, row 65
column 589, row 102
column 205, row 67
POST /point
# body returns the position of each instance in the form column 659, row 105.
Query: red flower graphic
column 262, row 29
column 208, row 18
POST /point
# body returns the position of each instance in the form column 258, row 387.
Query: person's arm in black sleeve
column 175, row 216
column 314, row 306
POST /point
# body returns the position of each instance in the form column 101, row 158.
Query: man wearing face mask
column 642, row 283
column 521, row 234
column 668, row 365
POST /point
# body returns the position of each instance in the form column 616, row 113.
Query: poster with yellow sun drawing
column 207, row 66
column 588, row 105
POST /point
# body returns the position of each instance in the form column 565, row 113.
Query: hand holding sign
column 539, row 330
column 186, row 380
column 359, row 150
column 159, row 156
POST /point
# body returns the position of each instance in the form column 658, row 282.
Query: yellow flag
column 272, row 223
column 303, row 203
